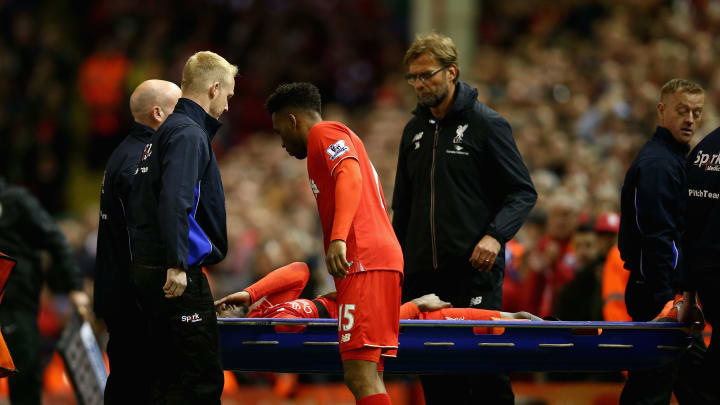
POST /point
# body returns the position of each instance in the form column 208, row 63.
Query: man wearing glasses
column 461, row 192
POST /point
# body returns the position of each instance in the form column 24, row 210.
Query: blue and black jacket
column 177, row 204
column 700, row 241
column 652, row 206
column 113, row 244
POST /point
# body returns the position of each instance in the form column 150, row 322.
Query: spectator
column 580, row 298
column 552, row 263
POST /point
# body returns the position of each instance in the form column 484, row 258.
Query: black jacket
column 652, row 206
column 177, row 205
column 113, row 244
column 457, row 180
column 26, row 229
column 701, row 244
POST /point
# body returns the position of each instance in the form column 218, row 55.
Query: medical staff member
column 177, row 226
column 652, row 220
column 701, row 269
column 114, row 298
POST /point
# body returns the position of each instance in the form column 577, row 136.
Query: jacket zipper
column 432, row 197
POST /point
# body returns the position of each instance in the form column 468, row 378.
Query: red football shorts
column 369, row 315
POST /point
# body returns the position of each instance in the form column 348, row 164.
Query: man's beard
column 434, row 100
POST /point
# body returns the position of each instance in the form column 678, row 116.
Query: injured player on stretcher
column 276, row 296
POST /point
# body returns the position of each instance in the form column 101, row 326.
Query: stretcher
column 440, row 347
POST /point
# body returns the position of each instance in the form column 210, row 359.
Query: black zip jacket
column 26, row 229
column 457, row 180
column 177, row 205
column 652, row 206
column 701, row 245
column 113, row 245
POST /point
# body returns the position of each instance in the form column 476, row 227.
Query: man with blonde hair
column 453, row 228
column 177, row 226
column 652, row 204
column 150, row 104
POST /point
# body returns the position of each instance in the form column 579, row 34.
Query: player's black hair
column 304, row 96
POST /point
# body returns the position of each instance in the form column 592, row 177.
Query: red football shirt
column 371, row 242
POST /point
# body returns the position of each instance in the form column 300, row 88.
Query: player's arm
column 656, row 207
column 186, row 154
column 45, row 234
column 402, row 196
column 348, row 190
column 518, row 191
column 426, row 303
column 521, row 315
column 292, row 276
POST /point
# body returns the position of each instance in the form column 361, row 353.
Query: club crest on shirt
column 337, row 149
column 459, row 133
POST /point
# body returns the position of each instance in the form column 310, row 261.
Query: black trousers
column 127, row 349
column 685, row 376
column 183, row 343
column 710, row 301
column 463, row 286
column 20, row 330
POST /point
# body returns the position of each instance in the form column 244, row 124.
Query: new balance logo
column 417, row 139
column 476, row 301
column 314, row 188
column 344, row 338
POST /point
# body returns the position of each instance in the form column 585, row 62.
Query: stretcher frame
column 442, row 347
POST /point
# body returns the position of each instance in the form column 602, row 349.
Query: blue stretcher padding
column 441, row 347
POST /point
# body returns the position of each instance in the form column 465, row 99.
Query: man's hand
column 483, row 257
column 522, row 315
column 430, row 302
column 691, row 314
column 81, row 302
column 240, row 298
column 337, row 264
column 175, row 284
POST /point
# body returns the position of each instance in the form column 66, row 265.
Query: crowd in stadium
column 578, row 83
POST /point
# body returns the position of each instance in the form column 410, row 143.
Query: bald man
column 151, row 103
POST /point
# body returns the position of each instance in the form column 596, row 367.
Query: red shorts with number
column 369, row 315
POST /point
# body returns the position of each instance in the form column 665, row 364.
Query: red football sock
column 377, row 399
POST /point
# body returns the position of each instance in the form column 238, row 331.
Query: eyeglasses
column 423, row 77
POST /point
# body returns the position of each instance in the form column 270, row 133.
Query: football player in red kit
column 276, row 296
column 361, row 250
